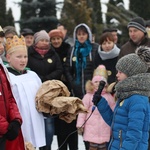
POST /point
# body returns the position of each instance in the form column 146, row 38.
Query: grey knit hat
column 131, row 64
column 40, row 36
column 9, row 29
column 138, row 23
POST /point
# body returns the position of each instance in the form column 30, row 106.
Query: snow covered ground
column 81, row 144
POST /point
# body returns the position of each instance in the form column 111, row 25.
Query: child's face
column 107, row 45
column 18, row 59
column 82, row 36
column 121, row 76
column 96, row 84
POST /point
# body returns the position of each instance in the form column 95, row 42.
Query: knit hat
column 10, row 29
column 101, row 71
column 26, row 32
column 148, row 23
column 131, row 64
column 138, row 23
column 56, row 33
column 40, row 36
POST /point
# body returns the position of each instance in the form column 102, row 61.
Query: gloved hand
column 13, row 130
column 96, row 98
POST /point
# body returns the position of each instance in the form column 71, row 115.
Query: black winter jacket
column 78, row 90
column 48, row 67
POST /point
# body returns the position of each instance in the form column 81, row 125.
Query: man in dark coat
column 138, row 36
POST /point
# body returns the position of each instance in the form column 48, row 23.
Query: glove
column 13, row 130
column 96, row 98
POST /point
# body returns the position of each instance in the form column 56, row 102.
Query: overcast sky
column 16, row 8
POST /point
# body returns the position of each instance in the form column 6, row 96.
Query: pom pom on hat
column 138, row 23
column 56, row 33
column 131, row 64
column 40, row 36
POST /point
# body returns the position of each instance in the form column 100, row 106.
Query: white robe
column 24, row 89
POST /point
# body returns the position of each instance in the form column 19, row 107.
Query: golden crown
column 15, row 41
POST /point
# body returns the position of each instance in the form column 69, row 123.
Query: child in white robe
column 25, row 84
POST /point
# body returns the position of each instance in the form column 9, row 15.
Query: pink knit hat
column 56, row 33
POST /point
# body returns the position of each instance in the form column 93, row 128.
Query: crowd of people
column 118, row 117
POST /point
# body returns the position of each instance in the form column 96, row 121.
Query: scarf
column 42, row 50
column 109, row 55
column 16, row 72
column 81, row 52
column 138, row 84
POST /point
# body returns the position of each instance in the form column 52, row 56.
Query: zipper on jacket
column 120, row 137
column 112, row 124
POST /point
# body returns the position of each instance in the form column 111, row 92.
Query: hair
column 2, row 34
column 105, row 37
column 60, row 24
column 81, row 28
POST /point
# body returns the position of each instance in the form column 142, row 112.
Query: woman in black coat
column 46, row 63
column 79, row 66
column 62, row 128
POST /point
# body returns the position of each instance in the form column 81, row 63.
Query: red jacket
column 8, row 111
column 8, row 108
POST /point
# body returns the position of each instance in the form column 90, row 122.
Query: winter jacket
column 48, row 67
column 129, row 122
column 130, row 46
column 62, row 52
column 109, row 62
column 17, row 144
column 95, row 129
column 9, row 111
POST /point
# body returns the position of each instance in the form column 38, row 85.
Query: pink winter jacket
column 95, row 129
